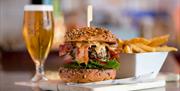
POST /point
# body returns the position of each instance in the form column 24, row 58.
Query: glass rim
column 33, row 7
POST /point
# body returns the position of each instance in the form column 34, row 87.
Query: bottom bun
column 86, row 75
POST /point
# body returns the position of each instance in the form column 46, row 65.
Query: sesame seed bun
column 90, row 34
column 86, row 75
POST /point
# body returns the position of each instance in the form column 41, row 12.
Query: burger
column 90, row 55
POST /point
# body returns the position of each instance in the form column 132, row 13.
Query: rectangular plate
column 54, row 85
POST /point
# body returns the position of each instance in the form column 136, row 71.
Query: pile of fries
column 141, row 45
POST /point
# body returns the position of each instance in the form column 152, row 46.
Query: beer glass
column 38, row 32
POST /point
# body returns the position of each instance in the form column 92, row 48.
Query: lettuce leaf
column 93, row 64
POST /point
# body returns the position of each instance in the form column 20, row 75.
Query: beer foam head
column 38, row 8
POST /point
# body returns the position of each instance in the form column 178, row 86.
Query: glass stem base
column 40, row 75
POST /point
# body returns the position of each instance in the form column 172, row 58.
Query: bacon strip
column 113, row 54
column 64, row 49
column 67, row 59
column 86, row 57
column 82, row 54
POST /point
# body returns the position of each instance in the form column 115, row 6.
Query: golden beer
column 39, row 34
column 38, row 31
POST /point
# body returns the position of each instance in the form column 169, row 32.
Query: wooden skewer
column 89, row 15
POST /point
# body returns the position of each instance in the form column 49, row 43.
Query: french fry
column 157, row 41
column 145, row 47
column 141, row 45
column 120, row 43
column 165, row 49
column 137, row 40
column 127, row 49
column 136, row 49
